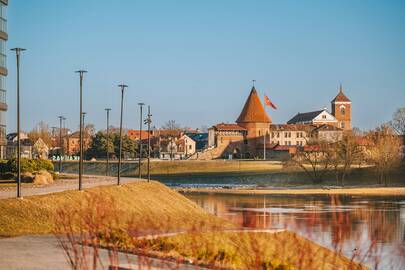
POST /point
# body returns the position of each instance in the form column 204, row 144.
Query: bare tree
column 315, row 159
column 90, row 130
column 398, row 121
column 385, row 152
column 41, row 130
column 344, row 153
column 171, row 125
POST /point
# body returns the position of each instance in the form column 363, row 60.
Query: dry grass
column 97, row 222
column 249, row 250
column 136, row 201
column 212, row 166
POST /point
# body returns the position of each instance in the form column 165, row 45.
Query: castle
column 253, row 135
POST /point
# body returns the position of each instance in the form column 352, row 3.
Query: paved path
column 45, row 252
column 64, row 184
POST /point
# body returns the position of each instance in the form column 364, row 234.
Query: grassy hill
column 143, row 203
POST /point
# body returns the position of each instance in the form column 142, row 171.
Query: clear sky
column 193, row 61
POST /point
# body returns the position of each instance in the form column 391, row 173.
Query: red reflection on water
column 367, row 230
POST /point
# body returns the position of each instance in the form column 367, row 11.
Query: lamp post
column 122, row 86
column 84, row 115
column 148, row 121
column 17, row 53
column 81, row 73
column 61, row 118
column 84, row 135
column 140, row 139
column 108, row 141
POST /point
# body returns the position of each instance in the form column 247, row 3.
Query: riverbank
column 172, row 167
column 245, row 172
column 117, row 213
column 365, row 191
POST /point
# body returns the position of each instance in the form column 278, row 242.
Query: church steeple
column 342, row 109
column 341, row 97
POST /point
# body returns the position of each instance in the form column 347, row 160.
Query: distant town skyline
column 194, row 62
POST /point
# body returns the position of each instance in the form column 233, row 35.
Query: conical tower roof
column 253, row 111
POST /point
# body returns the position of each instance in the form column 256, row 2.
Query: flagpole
column 264, row 133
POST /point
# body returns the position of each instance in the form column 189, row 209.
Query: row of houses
column 165, row 144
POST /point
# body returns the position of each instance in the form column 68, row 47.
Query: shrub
column 29, row 165
column 7, row 176
column 42, row 164
column 3, row 166
column 26, row 165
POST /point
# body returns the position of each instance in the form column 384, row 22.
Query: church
column 254, row 134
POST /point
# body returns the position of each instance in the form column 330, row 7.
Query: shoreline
column 361, row 191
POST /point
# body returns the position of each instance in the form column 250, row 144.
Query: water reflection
column 372, row 229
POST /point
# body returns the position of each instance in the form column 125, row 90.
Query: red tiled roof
column 341, row 97
column 135, row 134
column 253, row 111
column 224, row 126
column 284, row 147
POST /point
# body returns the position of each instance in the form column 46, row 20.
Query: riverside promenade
column 41, row 252
column 67, row 182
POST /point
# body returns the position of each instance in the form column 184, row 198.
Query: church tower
column 342, row 110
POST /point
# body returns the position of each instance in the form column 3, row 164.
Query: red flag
column 269, row 103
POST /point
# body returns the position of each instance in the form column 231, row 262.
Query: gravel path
column 64, row 184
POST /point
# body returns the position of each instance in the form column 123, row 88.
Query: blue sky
column 193, row 61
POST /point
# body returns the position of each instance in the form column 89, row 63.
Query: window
column 189, row 147
column 245, row 141
column 342, row 124
column 342, row 110
column 259, row 133
column 278, row 135
column 324, row 116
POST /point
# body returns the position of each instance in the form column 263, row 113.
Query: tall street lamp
column 61, row 118
column 122, row 87
column 17, row 53
column 81, row 73
column 148, row 121
column 108, row 141
column 140, row 139
column 84, row 115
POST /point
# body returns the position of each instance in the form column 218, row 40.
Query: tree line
column 381, row 148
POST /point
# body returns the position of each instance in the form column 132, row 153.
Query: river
column 369, row 228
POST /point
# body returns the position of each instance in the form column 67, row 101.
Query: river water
column 370, row 228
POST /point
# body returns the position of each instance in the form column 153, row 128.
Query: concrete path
column 64, row 184
column 45, row 252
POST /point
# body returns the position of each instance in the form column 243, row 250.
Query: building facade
column 340, row 116
column 253, row 134
column 240, row 140
column 3, row 74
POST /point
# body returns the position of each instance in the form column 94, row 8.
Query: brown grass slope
column 139, row 202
